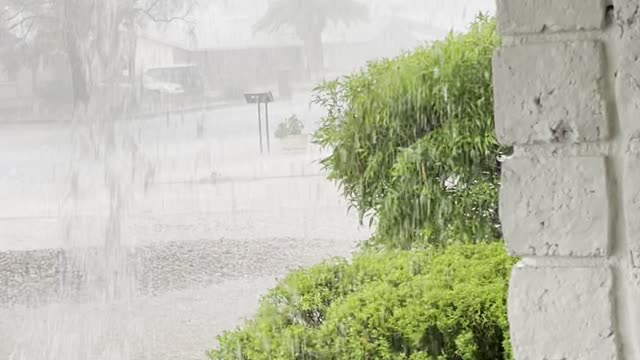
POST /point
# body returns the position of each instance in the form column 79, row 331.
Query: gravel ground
column 194, row 292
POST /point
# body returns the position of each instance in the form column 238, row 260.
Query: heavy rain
column 165, row 163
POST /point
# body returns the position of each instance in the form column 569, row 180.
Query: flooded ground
column 217, row 225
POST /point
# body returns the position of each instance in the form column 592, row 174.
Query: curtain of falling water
column 106, row 175
column 101, row 190
column 104, row 182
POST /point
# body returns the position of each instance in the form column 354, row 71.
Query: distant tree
column 9, row 52
column 95, row 36
column 309, row 18
column 412, row 142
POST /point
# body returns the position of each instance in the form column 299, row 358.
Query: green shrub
column 413, row 142
column 412, row 145
column 290, row 126
column 418, row 305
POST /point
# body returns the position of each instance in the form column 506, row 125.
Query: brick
column 550, row 93
column 555, row 207
column 627, row 19
column 632, row 201
column 533, row 16
column 628, row 88
column 561, row 313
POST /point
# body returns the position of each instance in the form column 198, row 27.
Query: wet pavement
column 214, row 229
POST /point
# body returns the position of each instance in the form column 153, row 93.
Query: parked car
column 184, row 79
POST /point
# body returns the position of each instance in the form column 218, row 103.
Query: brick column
column 567, row 98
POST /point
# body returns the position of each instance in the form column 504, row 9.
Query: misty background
column 143, row 210
column 215, row 44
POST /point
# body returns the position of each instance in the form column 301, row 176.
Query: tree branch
column 148, row 12
column 24, row 20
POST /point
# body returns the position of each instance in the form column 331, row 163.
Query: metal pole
column 260, row 125
column 266, row 115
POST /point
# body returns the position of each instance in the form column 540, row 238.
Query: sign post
column 260, row 98
column 266, row 116
column 260, row 126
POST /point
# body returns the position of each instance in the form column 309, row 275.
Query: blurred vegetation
column 289, row 127
column 413, row 142
column 414, row 150
column 96, row 38
column 308, row 19
column 417, row 305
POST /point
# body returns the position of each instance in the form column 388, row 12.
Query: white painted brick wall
column 555, row 207
column 550, row 92
column 531, row 16
column 562, row 313
column 627, row 80
column 567, row 97
column 627, row 19
column 632, row 202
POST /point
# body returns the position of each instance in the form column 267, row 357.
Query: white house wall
column 567, row 99
column 150, row 53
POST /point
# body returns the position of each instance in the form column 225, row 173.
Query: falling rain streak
column 145, row 202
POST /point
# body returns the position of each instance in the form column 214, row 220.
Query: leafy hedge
column 413, row 142
column 413, row 146
column 394, row 305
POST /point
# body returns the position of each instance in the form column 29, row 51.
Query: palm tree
column 309, row 18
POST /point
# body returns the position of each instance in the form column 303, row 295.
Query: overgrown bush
column 413, row 142
column 413, row 145
column 418, row 305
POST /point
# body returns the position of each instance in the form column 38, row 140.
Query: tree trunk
column 79, row 77
column 76, row 58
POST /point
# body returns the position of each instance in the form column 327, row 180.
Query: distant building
column 154, row 52
column 235, row 59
